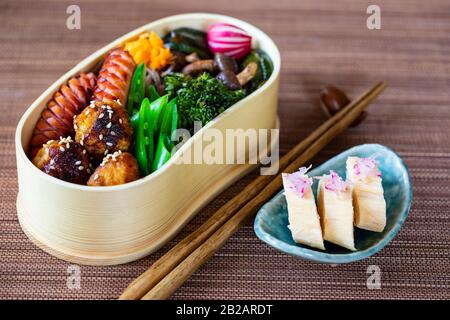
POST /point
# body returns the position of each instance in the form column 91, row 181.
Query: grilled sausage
column 56, row 119
column 114, row 78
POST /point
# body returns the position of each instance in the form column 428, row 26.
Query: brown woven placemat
column 321, row 42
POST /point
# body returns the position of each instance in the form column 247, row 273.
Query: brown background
column 321, row 42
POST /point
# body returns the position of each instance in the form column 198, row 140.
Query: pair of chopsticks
column 171, row 270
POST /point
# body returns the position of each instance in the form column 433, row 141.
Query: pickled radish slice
column 228, row 39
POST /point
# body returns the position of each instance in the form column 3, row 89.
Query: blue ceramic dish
column 272, row 219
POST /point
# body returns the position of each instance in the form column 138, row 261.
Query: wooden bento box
column 119, row 224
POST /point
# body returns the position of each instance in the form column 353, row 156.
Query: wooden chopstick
column 199, row 256
column 170, row 271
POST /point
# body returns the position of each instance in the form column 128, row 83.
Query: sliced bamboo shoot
column 336, row 211
column 304, row 221
column 368, row 198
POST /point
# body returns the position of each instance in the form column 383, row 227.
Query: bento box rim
column 262, row 36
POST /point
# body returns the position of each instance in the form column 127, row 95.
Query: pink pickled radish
column 366, row 167
column 300, row 181
column 335, row 183
column 228, row 39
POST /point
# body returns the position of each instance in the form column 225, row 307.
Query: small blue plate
column 272, row 219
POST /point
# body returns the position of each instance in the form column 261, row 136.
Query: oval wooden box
column 119, row 224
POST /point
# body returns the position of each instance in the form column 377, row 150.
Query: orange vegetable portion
column 149, row 48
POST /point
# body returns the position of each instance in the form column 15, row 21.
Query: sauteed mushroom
column 229, row 79
column 192, row 57
column 224, row 62
column 248, row 73
column 198, row 66
column 235, row 82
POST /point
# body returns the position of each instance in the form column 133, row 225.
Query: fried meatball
column 64, row 159
column 117, row 168
column 102, row 128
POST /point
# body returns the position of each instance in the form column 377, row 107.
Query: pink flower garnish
column 300, row 181
column 334, row 182
column 366, row 167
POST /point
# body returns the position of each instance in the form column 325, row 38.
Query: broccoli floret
column 200, row 99
column 173, row 82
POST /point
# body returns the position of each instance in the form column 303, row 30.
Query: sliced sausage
column 57, row 119
column 114, row 78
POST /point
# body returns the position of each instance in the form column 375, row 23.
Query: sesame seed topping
column 100, row 136
column 82, row 142
column 78, row 163
column 106, row 152
column 80, row 168
column 52, row 161
column 63, row 141
column 111, row 157
column 52, row 168
column 120, row 120
column 84, row 151
column 109, row 144
column 113, row 133
column 96, row 177
column 87, row 111
column 108, row 125
column 108, row 107
column 101, row 115
column 68, row 145
column 88, row 170
column 62, row 149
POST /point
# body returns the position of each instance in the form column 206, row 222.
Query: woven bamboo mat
column 322, row 42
